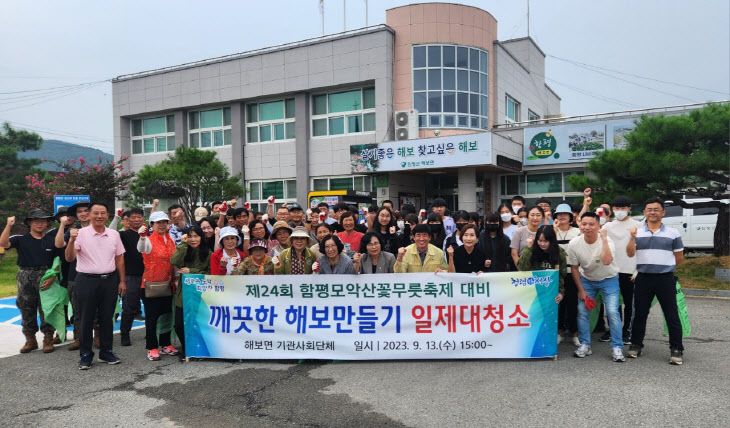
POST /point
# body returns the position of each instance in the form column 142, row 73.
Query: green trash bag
column 681, row 309
column 54, row 299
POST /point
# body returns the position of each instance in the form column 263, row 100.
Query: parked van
column 696, row 225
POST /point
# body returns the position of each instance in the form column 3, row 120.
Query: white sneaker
column 560, row 338
column 618, row 355
column 583, row 351
column 576, row 341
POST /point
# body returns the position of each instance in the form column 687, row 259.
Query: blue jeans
column 611, row 290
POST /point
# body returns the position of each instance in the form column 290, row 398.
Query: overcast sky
column 49, row 43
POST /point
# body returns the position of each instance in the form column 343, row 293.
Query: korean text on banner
column 371, row 317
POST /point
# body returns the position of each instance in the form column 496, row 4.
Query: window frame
column 143, row 137
column 261, row 203
column 199, row 130
column 270, row 123
column 343, row 114
column 522, row 186
column 531, row 115
column 517, row 109
column 366, row 179
column 453, row 119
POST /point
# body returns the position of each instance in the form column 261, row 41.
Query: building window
column 350, row 182
column 512, row 109
column 531, row 115
column 343, row 113
column 270, row 121
column 451, row 86
column 282, row 190
column 153, row 135
column 210, row 128
column 553, row 185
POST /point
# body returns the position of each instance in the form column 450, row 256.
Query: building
column 319, row 114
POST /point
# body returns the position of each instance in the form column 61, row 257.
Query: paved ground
column 47, row 390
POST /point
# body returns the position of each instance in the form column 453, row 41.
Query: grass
column 8, row 269
column 699, row 272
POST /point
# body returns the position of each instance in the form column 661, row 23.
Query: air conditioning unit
column 406, row 125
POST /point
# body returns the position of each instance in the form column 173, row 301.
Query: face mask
column 492, row 227
column 516, row 208
column 620, row 215
column 401, row 224
column 435, row 228
column 460, row 225
column 523, row 221
column 506, row 217
column 602, row 221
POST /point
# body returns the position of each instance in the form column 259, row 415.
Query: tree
column 14, row 169
column 103, row 182
column 196, row 177
column 672, row 156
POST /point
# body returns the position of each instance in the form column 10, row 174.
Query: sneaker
column 153, row 355
column 583, row 351
column 576, row 341
column 139, row 317
column 169, row 350
column 126, row 341
column 108, row 357
column 627, row 338
column 675, row 357
column 634, row 351
column 606, row 337
column 85, row 361
column 560, row 338
column 618, row 355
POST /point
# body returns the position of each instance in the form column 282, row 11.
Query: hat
column 71, row 211
column 260, row 243
column 61, row 212
column 295, row 206
column 229, row 231
column 300, row 232
column 280, row 225
column 200, row 213
column 37, row 214
column 158, row 216
column 621, row 201
column 564, row 209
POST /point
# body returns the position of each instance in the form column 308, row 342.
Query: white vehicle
column 696, row 225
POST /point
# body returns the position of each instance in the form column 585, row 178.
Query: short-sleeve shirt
column 33, row 252
column 468, row 263
column 352, row 242
column 176, row 233
column 620, row 232
column 96, row 251
column 588, row 258
column 133, row 260
column 655, row 251
column 520, row 237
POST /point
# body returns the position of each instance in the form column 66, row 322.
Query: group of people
column 144, row 261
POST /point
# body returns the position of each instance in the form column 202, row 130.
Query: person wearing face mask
column 517, row 203
column 467, row 258
column 461, row 219
column 620, row 232
column 508, row 220
column 521, row 218
column 495, row 245
column 436, row 225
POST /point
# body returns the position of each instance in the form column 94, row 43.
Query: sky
column 602, row 56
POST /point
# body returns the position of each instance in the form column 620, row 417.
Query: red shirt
column 353, row 240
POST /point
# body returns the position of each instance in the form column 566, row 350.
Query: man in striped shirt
column 658, row 249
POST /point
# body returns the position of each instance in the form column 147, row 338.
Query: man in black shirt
column 35, row 256
column 134, row 268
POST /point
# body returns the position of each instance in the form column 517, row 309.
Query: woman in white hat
column 227, row 257
column 157, row 249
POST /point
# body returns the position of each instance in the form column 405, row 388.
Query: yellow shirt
column 412, row 261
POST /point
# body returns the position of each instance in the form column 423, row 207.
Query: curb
column 695, row 292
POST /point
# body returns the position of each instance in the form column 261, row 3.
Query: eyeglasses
column 654, row 210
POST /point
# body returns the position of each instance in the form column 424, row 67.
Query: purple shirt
column 96, row 251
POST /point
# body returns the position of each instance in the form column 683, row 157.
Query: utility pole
column 344, row 15
column 528, row 18
column 366, row 13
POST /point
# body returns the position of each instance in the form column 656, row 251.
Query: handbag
column 157, row 289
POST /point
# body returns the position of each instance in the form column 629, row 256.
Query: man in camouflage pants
column 36, row 251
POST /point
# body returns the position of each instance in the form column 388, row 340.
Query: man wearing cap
column 439, row 207
column 620, row 232
column 421, row 256
column 200, row 213
column 80, row 211
column 279, row 238
column 297, row 258
column 296, row 216
column 100, row 280
column 35, row 256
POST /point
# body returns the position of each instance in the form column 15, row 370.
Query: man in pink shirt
column 99, row 281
